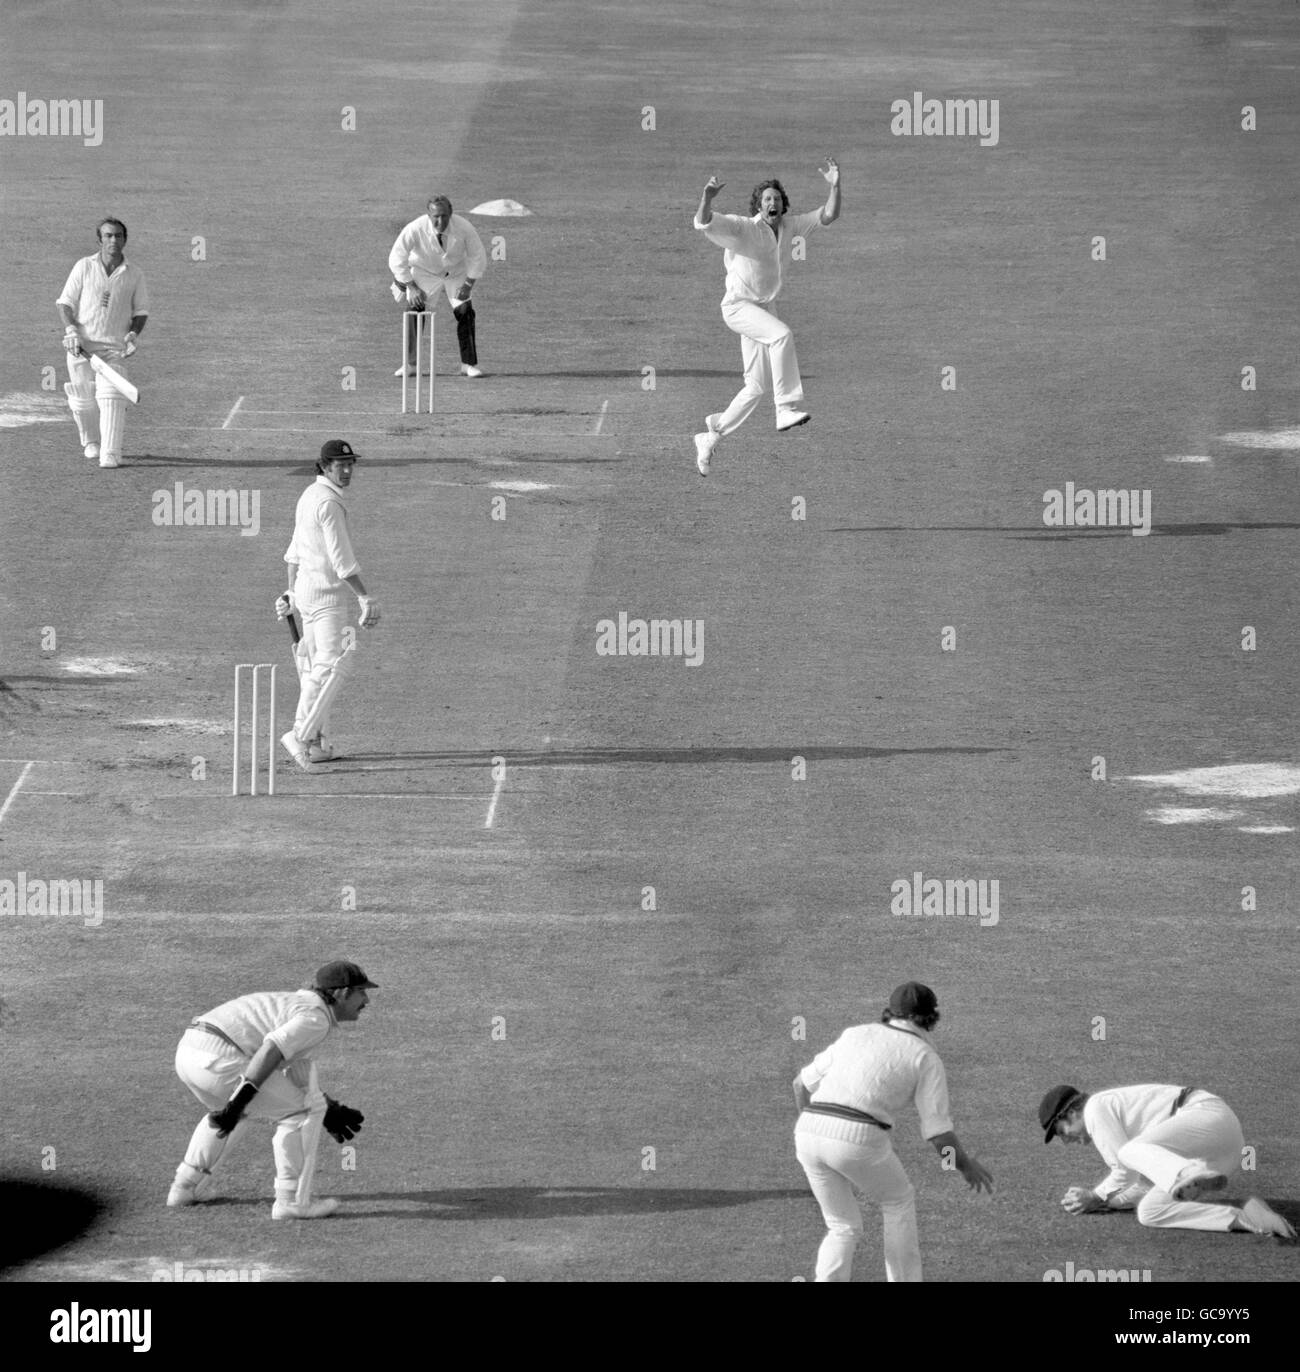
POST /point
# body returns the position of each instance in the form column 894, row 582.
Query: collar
column 325, row 481
column 100, row 263
column 329, row 1009
column 905, row 1026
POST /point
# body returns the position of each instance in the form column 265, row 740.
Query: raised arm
column 831, row 210
column 705, row 213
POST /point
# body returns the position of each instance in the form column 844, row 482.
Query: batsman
column 104, row 307
column 254, row 1058
column 320, row 564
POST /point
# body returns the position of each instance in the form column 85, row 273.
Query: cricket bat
column 115, row 379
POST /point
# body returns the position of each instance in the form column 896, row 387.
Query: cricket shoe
column 296, row 749
column 467, row 370
column 704, row 446
column 312, row 1210
column 91, row 450
column 790, row 418
column 108, row 460
column 1263, row 1219
column 185, row 1191
column 319, row 751
column 405, row 371
column 1199, row 1185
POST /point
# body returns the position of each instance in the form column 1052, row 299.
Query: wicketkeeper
column 254, row 1058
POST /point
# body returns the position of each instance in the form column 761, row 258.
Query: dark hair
column 108, row 219
column 757, row 195
column 926, row 1022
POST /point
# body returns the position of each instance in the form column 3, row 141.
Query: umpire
column 254, row 1058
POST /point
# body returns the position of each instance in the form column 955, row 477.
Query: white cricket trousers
column 1203, row 1134
column 771, row 367
column 288, row 1098
column 839, row 1156
column 324, row 618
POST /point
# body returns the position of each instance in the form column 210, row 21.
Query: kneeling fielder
column 252, row 1058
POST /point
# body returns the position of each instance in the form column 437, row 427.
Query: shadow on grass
column 618, row 757
column 39, row 1218
column 542, row 1202
column 1038, row 534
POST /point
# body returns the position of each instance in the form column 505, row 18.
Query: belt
column 845, row 1112
column 1182, row 1098
column 220, row 1033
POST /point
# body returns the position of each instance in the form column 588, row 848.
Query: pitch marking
column 496, row 796
column 234, row 410
column 22, row 776
column 604, row 409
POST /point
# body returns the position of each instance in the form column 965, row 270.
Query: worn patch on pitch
column 1263, row 438
column 1174, row 814
column 21, row 408
column 1242, row 781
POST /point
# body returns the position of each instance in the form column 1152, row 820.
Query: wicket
column 415, row 319
column 256, row 668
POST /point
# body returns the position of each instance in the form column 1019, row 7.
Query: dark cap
column 1055, row 1103
column 337, row 447
column 911, row 998
column 340, row 976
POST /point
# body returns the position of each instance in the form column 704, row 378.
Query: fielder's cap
column 337, row 447
column 1055, row 1103
column 911, row 998
column 340, row 976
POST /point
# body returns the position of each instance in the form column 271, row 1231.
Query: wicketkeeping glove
column 341, row 1121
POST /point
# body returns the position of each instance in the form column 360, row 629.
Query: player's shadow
column 552, row 1202
column 619, row 757
column 38, row 1218
column 635, row 373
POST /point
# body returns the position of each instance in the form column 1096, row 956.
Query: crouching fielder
column 1167, row 1147
column 104, row 307
column 253, row 1058
column 320, row 562
column 848, row 1097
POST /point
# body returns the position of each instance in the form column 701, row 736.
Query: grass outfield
column 630, row 1117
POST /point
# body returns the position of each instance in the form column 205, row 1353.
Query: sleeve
column 399, row 259
column 812, row 1075
column 723, row 229
column 475, row 257
column 1108, row 1136
column 931, row 1097
column 804, row 224
column 140, row 297
column 300, row 1034
column 71, row 293
column 338, row 546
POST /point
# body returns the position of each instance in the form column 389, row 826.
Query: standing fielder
column 439, row 250
column 848, row 1097
column 252, row 1058
column 1166, row 1147
column 104, row 306
column 320, row 561
column 757, row 251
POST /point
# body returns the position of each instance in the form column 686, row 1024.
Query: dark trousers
column 465, row 336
